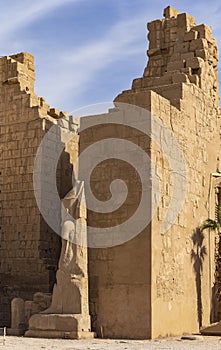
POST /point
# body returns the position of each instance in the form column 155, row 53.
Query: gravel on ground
column 192, row 343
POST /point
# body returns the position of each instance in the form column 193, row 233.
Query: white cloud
column 65, row 77
column 17, row 15
column 78, row 68
column 70, row 74
column 204, row 13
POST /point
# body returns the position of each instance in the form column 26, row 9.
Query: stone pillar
column 17, row 317
column 68, row 316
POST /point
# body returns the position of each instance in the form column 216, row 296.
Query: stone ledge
column 15, row 332
column 59, row 334
column 71, row 326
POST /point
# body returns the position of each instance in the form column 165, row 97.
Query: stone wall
column 119, row 277
column 183, row 258
column 180, row 51
column 29, row 250
column 182, row 73
column 156, row 284
column 176, row 287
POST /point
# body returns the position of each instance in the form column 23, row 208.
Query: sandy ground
column 202, row 343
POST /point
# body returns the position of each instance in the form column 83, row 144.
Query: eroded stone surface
column 29, row 249
column 153, row 277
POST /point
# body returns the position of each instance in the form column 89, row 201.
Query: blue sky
column 88, row 51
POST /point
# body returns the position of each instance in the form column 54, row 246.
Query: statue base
column 59, row 326
column 16, row 332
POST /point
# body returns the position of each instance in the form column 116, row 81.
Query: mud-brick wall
column 29, row 250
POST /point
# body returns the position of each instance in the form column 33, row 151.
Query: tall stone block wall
column 182, row 74
column 29, row 250
column 183, row 259
column 119, row 277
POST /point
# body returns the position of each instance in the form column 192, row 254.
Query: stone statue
column 69, row 310
column 72, row 278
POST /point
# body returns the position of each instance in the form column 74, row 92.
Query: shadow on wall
column 198, row 254
column 214, row 317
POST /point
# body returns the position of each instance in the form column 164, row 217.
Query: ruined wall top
column 17, row 72
column 181, row 51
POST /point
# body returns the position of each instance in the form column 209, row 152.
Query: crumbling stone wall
column 180, row 51
column 180, row 86
column 156, row 284
column 182, row 74
column 29, row 250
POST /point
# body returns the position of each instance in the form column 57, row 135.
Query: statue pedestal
column 15, row 332
column 59, row 326
column 68, row 316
